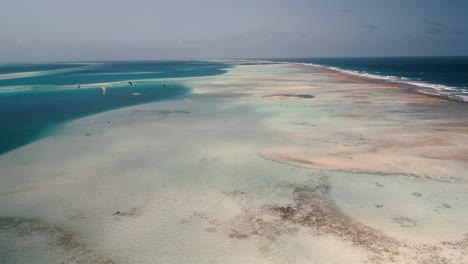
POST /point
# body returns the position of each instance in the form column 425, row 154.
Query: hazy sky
column 51, row 30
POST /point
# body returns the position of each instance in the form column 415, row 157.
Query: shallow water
column 36, row 98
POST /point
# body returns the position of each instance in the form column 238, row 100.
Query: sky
column 71, row 30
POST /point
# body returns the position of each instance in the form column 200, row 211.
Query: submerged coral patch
column 312, row 209
column 69, row 248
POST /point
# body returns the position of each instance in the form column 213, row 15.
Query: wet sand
column 247, row 171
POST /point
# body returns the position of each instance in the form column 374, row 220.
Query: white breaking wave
column 423, row 87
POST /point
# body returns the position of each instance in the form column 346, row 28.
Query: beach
column 267, row 163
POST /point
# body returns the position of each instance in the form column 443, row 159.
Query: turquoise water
column 35, row 98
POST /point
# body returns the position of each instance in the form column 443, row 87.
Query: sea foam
column 454, row 93
column 420, row 86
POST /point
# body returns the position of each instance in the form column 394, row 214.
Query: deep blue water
column 35, row 98
column 442, row 75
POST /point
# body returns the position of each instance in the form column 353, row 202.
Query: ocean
column 36, row 98
column 443, row 76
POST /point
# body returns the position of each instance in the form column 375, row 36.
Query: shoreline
column 426, row 90
column 413, row 89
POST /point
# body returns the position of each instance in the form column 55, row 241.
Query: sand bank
column 361, row 173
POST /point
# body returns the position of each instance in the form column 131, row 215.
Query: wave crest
column 454, row 93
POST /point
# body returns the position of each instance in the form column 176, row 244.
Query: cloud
column 266, row 34
column 368, row 27
column 346, row 11
column 254, row 35
column 437, row 28
column 302, row 35
column 437, row 31
column 437, row 24
column 459, row 32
